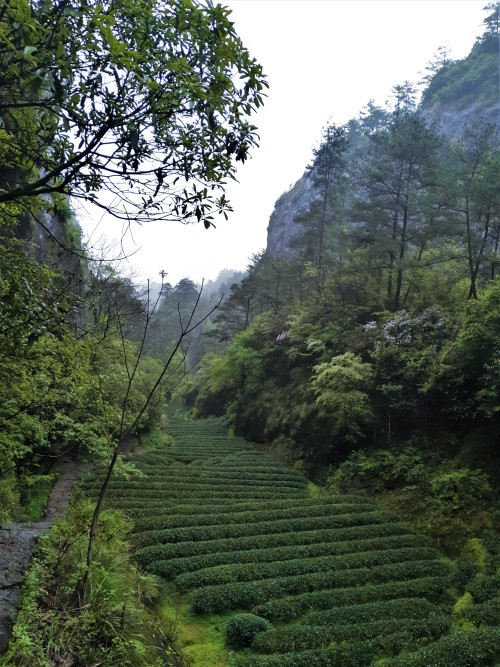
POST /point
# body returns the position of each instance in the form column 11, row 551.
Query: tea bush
column 242, row 629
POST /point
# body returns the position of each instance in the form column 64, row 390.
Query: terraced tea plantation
column 299, row 581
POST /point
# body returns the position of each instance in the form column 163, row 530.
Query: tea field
column 293, row 579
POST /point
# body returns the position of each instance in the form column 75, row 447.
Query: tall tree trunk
column 482, row 248
column 247, row 312
column 392, row 257
column 470, row 258
column 402, row 251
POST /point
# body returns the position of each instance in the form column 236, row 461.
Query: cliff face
column 460, row 93
column 466, row 90
column 282, row 227
column 56, row 241
column 52, row 237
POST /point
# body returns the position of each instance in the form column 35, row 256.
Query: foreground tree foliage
column 135, row 98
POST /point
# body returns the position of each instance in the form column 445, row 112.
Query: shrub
column 298, row 566
column 289, row 607
column 242, row 629
column 9, row 497
column 246, row 594
column 484, row 588
column 379, row 469
column 461, row 489
column 485, row 613
column 477, row 648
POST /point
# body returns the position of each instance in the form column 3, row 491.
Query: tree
column 474, row 198
column 140, row 386
column 477, row 353
column 270, row 284
column 340, row 386
column 139, row 99
column 397, row 178
column 326, row 175
column 174, row 308
column 440, row 61
column 491, row 22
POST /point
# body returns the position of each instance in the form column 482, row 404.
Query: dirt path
column 18, row 541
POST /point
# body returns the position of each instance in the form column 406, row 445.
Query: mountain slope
column 460, row 93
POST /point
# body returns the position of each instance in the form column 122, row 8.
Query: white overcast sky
column 324, row 60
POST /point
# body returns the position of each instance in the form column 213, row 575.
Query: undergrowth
column 116, row 628
column 201, row 638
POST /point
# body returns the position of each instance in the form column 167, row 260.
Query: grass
column 312, row 490
column 201, row 638
column 151, row 441
column 34, row 498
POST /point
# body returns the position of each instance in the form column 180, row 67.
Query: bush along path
column 18, row 542
column 260, row 573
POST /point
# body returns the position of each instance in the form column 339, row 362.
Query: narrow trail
column 18, row 541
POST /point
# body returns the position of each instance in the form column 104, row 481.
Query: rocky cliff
column 466, row 90
column 282, row 227
column 460, row 93
column 51, row 236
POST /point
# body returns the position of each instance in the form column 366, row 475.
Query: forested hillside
column 452, row 94
column 367, row 353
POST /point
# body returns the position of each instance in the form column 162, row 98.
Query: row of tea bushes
column 408, row 607
column 246, row 594
column 289, row 607
column 476, row 648
column 167, row 518
column 473, row 648
column 302, row 637
column 172, row 567
column 233, row 530
column 146, row 555
column 298, row 566
column 163, row 507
